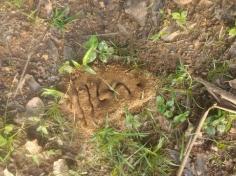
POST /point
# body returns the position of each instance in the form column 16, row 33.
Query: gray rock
column 138, row 10
column 170, row 34
column 200, row 165
column 32, row 83
column 69, row 53
column 35, row 107
column 52, row 51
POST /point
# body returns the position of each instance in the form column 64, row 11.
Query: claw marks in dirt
column 113, row 88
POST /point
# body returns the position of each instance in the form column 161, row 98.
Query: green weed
column 218, row 69
column 126, row 152
column 181, row 77
column 60, row 18
column 7, row 137
column 168, row 110
column 232, row 31
column 180, row 18
column 158, row 36
column 219, row 122
column 17, row 3
column 95, row 49
column 57, row 95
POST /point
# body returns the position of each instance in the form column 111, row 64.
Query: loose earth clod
column 92, row 98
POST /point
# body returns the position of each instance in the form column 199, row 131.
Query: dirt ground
column 32, row 50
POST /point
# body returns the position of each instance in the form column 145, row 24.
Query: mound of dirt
column 92, row 98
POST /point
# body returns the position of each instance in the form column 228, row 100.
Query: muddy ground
column 32, row 50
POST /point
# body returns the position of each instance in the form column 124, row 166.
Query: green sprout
column 180, row 17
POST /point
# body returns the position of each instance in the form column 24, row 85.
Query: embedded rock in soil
column 93, row 98
column 35, row 107
column 200, row 165
column 69, row 53
column 138, row 10
column 32, row 83
column 60, row 168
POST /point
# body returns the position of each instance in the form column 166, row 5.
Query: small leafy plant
column 167, row 109
column 60, row 18
column 218, row 69
column 219, row 122
column 95, row 49
column 181, row 77
column 232, row 31
column 158, row 36
column 180, row 18
column 7, row 136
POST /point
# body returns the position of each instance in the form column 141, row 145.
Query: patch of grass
column 218, row 69
column 168, row 110
column 8, row 134
column 60, row 19
column 158, row 36
column 16, row 3
column 180, row 18
column 126, row 152
column 219, row 122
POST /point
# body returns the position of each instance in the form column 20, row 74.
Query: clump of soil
column 114, row 88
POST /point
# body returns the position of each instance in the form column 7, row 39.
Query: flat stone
column 35, row 107
column 32, row 83
column 60, row 168
column 69, row 53
column 200, row 165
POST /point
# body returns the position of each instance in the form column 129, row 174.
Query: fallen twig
column 193, row 139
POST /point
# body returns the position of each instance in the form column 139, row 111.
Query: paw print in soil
column 92, row 98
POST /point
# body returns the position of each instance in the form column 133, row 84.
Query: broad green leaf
column 168, row 114
column 66, row 68
column 232, row 32
column 76, row 64
column 92, row 42
column 8, row 129
column 105, row 51
column 221, row 128
column 176, row 15
column 89, row 56
column 170, row 103
column 43, row 130
column 181, row 117
column 210, row 131
column 3, row 141
column 184, row 14
column 160, row 102
column 52, row 92
column 89, row 69
column 103, row 46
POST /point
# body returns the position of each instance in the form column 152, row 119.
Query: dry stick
column 194, row 138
